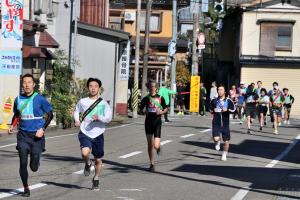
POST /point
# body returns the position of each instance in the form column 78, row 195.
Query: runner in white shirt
column 92, row 127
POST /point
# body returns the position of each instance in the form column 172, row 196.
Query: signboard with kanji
column 11, row 62
column 195, row 94
column 124, row 61
column 12, row 24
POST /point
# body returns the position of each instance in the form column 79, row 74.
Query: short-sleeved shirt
column 32, row 117
column 151, row 107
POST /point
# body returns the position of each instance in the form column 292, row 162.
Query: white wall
column 97, row 60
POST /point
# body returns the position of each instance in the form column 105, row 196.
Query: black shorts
column 287, row 107
column 153, row 127
column 28, row 142
column 224, row 131
column 95, row 144
column 250, row 111
column 263, row 110
column 180, row 101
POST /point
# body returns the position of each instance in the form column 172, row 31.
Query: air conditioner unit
column 129, row 16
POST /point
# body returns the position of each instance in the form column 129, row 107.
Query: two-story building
column 270, row 45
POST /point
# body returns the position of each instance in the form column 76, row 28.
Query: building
column 98, row 48
column 269, row 47
column 123, row 17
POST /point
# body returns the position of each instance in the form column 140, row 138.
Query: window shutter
column 268, row 39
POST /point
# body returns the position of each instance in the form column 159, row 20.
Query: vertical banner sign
column 12, row 24
column 124, row 61
column 11, row 62
column 195, row 94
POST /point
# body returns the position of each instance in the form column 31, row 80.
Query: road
column 262, row 166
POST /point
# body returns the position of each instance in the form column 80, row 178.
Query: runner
column 29, row 111
column 259, row 87
column 270, row 94
column 287, row 105
column 263, row 103
column 154, row 106
column 96, row 113
column 276, row 103
column 165, row 92
column 203, row 94
column 213, row 91
column 240, row 103
column 251, row 100
column 233, row 96
column 180, row 99
column 221, row 108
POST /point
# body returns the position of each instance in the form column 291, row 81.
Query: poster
column 124, row 61
column 12, row 24
column 195, row 94
column 11, row 62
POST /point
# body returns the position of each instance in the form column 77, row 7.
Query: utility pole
column 173, row 67
column 146, row 47
column 195, row 35
column 71, row 35
column 137, row 60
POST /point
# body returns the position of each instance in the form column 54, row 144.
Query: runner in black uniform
column 251, row 99
column 154, row 106
column 287, row 105
column 221, row 108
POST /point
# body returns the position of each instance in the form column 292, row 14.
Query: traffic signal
column 219, row 6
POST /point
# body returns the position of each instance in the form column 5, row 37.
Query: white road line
column 131, row 154
column 165, row 142
column 59, row 136
column 284, row 153
column 132, row 190
column 20, row 190
column 241, row 194
column 188, row 135
column 234, row 122
column 9, row 145
column 205, row 130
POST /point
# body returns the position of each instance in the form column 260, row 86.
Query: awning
column 47, row 41
column 33, row 52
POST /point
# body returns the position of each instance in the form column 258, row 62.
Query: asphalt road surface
column 262, row 166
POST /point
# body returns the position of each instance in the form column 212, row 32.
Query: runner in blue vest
column 29, row 111
column 221, row 108
column 96, row 113
column 154, row 106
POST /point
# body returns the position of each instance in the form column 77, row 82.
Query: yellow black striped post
column 135, row 98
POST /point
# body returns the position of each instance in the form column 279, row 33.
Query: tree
column 183, row 75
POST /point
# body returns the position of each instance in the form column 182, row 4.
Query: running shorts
column 263, row 110
column 153, row 127
column 95, row 144
column 28, row 141
column 277, row 111
column 221, row 131
column 250, row 111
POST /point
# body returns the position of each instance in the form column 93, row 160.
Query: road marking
column 9, row 145
column 132, row 190
column 124, row 198
column 20, row 190
column 284, row 153
column 188, row 135
column 71, row 134
column 131, row 154
column 205, row 130
column 165, row 142
column 234, row 122
column 241, row 194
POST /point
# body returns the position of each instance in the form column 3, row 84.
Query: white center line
column 131, row 154
column 165, row 142
column 188, row 135
column 20, row 190
column 241, row 194
column 205, row 130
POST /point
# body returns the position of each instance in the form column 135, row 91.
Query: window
column 275, row 36
column 155, row 22
column 284, row 39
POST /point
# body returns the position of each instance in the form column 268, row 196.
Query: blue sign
column 11, row 62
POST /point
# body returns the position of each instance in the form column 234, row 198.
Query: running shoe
column 87, row 168
column 159, row 151
column 95, row 185
column 279, row 124
column 285, row 122
column 167, row 121
column 265, row 123
column 151, row 168
column 276, row 132
column 224, row 157
column 288, row 122
column 26, row 192
column 260, row 128
column 217, row 146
